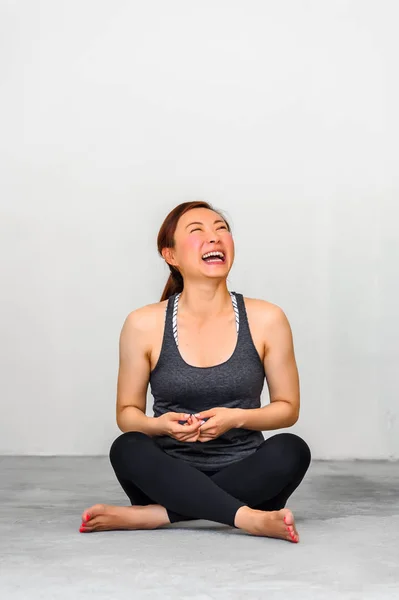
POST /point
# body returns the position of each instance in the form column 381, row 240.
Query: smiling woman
column 172, row 228
column 206, row 352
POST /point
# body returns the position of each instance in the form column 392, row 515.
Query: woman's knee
column 125, row 443
column 292, row 449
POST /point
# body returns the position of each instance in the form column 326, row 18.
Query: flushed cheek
column 189, row 251
column 193, row 244
column 229, row 245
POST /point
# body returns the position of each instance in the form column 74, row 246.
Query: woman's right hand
column 169, row 425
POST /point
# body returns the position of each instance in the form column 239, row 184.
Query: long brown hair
column 165, row 239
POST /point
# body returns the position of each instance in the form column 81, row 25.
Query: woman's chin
column 217, row 273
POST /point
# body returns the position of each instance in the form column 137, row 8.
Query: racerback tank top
column 236, row 383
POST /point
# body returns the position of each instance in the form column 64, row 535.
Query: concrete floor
column 347, row 515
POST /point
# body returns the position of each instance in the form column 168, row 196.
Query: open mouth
column 215, row 257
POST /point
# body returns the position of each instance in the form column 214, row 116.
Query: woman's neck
column 204, row 301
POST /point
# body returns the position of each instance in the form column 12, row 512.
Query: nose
column 213, row 237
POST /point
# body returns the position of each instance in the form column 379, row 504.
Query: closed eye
column 199, row 229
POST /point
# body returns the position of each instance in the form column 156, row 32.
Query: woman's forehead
column 203, row 215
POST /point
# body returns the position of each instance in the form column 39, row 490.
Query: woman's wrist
column 154, row 426
column 238, row 417
column 133, row 419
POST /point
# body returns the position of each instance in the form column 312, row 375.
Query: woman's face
column 199, row 232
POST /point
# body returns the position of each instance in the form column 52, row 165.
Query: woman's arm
column 134, row 373
column 281, row 376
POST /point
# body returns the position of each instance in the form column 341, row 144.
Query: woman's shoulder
column 147, row 317
column 263, row 309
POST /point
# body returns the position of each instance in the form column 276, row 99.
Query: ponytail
column 174, row 285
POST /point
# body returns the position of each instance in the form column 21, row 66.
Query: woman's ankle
column 244, row 517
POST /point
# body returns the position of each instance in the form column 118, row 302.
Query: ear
column 167, row 254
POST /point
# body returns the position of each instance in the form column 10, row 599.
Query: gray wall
column 282, row 113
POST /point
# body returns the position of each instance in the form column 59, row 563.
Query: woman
column 205, row 352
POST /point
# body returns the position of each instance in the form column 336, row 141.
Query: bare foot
column 105, row 517
column 276, row 524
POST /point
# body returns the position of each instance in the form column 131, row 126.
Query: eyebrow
column 200, row 223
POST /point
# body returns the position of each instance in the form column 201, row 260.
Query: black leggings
column 264, row 480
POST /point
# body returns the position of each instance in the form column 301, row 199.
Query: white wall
column 282, row 113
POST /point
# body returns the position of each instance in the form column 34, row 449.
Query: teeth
column 218, row 254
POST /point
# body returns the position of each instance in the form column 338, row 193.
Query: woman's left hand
column 220, row 420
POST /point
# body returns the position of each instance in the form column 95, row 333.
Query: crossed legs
column 176, row 491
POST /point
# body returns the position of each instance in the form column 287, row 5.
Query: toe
column 92, row 512
column 84, row 529
column 290, row 525
column 288, row 516
column 92, row 523
column 291, row 537
column 86, row 515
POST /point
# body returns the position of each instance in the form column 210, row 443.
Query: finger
column 189, row 436
column 190, row 420
column 205, row 413
column 194, row 422
column 186, row 429
column 191, row 428
column 190, row 439
column 209, row 435
column 195, row 419
column 183, row 436
column 179, row 416
column 173, row 416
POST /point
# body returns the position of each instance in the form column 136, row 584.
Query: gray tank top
column 236, row 383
